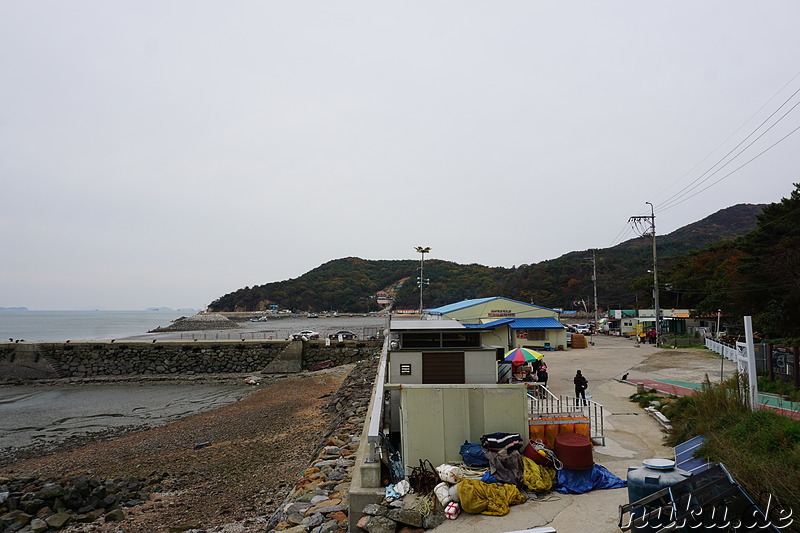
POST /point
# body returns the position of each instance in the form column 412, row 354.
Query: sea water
column 81, row 325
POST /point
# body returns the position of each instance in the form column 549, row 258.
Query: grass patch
column 761, row 449
column 647, row 398
column 784, row 388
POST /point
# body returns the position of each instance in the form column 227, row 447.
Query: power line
column 729, row 136
column 736, row 169
column 673, row 200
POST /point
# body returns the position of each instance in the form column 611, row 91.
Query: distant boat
column 312, row 315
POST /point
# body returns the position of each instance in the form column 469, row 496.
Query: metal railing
column 544, row 404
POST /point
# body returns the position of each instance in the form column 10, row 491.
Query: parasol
column 519, row 356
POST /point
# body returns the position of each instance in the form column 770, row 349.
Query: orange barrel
column 574, row 451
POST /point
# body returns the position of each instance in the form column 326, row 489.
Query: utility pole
column 637, row 222
column 421, row 281
column 593, row 261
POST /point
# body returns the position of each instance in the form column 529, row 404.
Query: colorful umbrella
column 519, row 356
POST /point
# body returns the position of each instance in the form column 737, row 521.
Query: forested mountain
column 350, row 284
column 757, row 274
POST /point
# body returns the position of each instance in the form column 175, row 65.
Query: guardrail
column 376, row 416
column 544, row 404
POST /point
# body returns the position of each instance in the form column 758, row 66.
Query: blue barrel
column 652, row 476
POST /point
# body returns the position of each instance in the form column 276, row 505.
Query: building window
column 421, row 340
column 405, row 369
column 537, row 335
column 439, row 339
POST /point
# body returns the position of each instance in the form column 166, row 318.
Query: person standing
column 580, row 387
column 541, row 375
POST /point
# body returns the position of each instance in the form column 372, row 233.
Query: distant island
column 13, row 308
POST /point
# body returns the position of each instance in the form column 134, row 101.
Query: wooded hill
column 350, row 284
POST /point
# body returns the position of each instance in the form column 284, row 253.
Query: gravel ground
column 258, row 446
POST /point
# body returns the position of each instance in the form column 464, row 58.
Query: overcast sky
column 166, row 153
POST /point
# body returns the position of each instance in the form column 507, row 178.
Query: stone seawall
column 90, row 359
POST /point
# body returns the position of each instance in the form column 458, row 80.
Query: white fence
column 729, row 352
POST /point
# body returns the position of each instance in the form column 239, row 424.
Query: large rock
column 406, row 516
column 58, row 520
column 380, row 524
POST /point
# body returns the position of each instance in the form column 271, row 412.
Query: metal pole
column 655, row 273
column 719, row 312
column 421, row 279
column 594, row 282
column 422, row 251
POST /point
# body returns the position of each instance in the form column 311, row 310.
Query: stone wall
column 89, row 359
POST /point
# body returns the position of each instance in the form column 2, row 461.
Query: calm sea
column 82, row 325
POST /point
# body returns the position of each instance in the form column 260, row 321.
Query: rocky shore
column 279, row 459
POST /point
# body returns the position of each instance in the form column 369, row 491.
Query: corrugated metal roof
column 490, row 325
column 523, row 323
column 449, row 308
column 397, row 325
column 536, row 323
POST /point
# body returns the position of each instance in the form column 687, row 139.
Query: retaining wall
column 88, row 359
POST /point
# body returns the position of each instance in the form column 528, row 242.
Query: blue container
column 651, row 477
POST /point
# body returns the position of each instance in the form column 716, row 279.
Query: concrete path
column 631, row 435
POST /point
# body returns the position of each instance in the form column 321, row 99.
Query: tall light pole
column 652, row 220
column 593, row 261
column 421, row 281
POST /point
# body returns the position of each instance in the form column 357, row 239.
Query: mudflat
column 256, row 449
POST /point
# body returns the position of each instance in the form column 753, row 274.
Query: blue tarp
column 580, row 481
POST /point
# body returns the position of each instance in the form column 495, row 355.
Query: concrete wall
column 435, row 420
column 556, row 338
column 88, row 359
column 480, row 366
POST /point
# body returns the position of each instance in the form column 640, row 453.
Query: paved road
column 631, row 435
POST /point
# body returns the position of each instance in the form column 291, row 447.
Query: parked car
column 346, row 335
column 584, row 329
column 305, row 335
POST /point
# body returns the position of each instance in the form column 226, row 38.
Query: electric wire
column 736, row 169
column 728, row 138
column 689, row 186
column 674, row 200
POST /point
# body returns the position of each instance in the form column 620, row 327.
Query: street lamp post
column 421, row 281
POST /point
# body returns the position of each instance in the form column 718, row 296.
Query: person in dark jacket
column 541, row 375
column 580, row 387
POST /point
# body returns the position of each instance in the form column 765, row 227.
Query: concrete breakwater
column 31, row 361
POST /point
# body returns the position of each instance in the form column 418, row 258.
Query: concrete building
column 507, row 323
column 441, row 383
